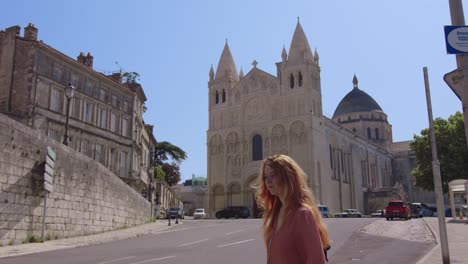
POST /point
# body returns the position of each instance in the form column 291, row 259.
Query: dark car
column 233, row 211
column 176, row 212
column 415, row 211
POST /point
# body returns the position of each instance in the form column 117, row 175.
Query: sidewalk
column 457, row 235
column 131, row 232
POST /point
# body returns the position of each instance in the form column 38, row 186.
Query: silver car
column 199, row 213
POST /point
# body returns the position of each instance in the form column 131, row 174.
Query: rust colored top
column 297, row 241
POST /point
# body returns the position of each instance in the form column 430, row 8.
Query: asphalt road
column 229, row 241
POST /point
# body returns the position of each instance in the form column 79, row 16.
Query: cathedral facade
column 347, row 158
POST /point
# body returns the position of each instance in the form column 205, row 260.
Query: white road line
column 187, row 228
column 150, row 260
column 234, row 232
column 230, row 244
column 194, row 242
column 114, row 260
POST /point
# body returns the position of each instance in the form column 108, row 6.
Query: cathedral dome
column 356, row 101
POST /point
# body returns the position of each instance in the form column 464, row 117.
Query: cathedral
column 350, row 158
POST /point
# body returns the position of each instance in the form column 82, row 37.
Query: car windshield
column 395, row 204
column 174, row 209
column 199, row 211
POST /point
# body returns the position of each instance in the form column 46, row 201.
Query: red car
column 397, row 209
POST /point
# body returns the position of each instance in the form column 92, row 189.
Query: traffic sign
column 456, row 39
column 49, row 170
column 454, row 80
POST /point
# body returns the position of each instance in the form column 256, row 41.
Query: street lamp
column 69, row 93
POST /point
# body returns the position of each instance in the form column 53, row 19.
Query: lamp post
column 69, row 93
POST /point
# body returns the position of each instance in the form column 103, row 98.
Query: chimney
column 81, row 58
column 30, row 32
column 116, row 76
column 89, row 60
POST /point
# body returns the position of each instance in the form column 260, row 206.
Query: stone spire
column 284, row 54
column 300, row 49
column 316, row 56
column 355, row 82
column 211, row 73
column 226, row 66
column 241, row 74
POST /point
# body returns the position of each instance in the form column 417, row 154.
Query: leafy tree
column 130, row 77
column 172, row 172
column 167, row 157
column 451, row 150
column 159, row 173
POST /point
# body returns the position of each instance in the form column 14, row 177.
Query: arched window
column 291, row 80
column 257, row 149
column 376, row 133
column 300, row 79
column 369, row 136
column 216, row 97
column 224, row 96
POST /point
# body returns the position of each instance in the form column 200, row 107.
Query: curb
column 89, row 240
column 431, row 252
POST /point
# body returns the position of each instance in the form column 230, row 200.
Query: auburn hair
column 298, row 194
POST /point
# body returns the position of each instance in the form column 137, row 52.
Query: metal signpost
column 48, row 181
column 437, row 180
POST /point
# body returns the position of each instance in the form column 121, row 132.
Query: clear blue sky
column 172, row 44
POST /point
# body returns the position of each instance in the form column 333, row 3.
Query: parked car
column 233, row 211
column 349, row 213
column 414, row 211
column 199, row 213
column 423, row 209
column 379, row 213
column 324, row 210
column 176, row 212
column 397, row 209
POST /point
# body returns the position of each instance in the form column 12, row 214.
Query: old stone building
column 347, row 158
column 106, row 115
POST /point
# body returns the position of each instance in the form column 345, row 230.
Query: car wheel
column 218, row 216
column 388, row 218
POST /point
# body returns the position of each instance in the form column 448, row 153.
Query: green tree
column 451, row 150
column 167, row 158
column 172, row 172
column 130, row 77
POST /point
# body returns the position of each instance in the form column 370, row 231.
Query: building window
column 123, row 164
column 113, row 122
column 103, row 119
column 84, row 147
column 57, row 74
column 115, row 100
column 102, row 95
column 53, row 134
column 291, row 80
column 76, row 106
column 300, row 79
column 125, row 122
column 75, row 80
column 55, row 100
column 342, row 161
column 331, row 156
column 257, row 149
column 88, row 88
column 224, row 96
column 369, row 136
column 126, row 109
column 97, row 152
column 376, row 133
column 216, row 97
column 88, row 112
column 113, row 160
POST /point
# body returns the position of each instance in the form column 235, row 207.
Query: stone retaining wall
column 87, row 197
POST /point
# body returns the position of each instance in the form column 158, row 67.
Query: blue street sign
column 456, row 39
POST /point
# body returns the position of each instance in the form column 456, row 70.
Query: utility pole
column 437, row 181
column 458, row 19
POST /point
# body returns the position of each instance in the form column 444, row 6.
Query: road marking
column 187, row 228
column 114, row 260
column 234, row 232
column 230, row 244
column 150, row 260
column 194, row 242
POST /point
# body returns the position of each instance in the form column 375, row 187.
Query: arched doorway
column 218, row 197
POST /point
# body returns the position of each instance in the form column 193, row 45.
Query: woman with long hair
column 293, row 229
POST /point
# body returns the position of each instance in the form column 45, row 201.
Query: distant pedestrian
column 293, row 229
